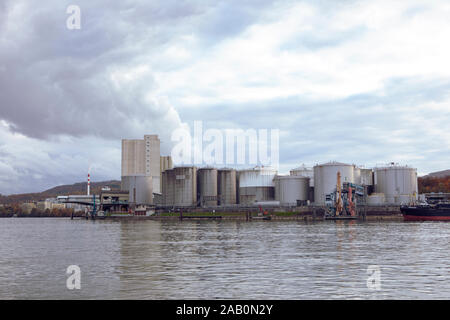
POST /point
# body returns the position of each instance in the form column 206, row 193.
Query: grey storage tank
column 291, row 190
column 185, row 186
column 168, row 187
column 325, row 178
column 226, row 186
column 140, row 188
column 207, row 186
column 398, row 183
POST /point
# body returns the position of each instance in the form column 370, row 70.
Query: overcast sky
column 364, row 82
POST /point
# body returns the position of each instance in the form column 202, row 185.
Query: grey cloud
column 55, row 81
column 370, row 128
column 56, row 86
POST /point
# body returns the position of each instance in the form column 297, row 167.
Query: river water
column 224, row 259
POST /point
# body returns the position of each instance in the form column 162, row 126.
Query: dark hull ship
column 437, row 212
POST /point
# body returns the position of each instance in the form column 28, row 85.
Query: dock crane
column 341, row 204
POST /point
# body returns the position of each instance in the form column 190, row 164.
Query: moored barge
column 436, row 212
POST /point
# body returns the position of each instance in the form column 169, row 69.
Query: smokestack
column 89, row 184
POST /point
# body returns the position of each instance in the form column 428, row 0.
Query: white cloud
column 355, row 81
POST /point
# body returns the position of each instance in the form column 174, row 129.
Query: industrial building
column 151, row 179
column 114, row 201
column 142, row 158
column 211, row 187
column 387, row 185
column 142, row 167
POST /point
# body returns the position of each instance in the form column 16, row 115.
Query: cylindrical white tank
column 139, row 187
column 207, row 186
column 396, row 181
column 290, row 189
column 325, row 178
column 256, row 185
column 257, row 177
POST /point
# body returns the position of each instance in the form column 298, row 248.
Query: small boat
column 426, row 212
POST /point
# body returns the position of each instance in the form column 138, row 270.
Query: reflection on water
column 223, row 260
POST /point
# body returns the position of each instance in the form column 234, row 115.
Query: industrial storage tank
column 256, row 185
column 226, row 186
column 140, row 188
column 207, row 186
column 168, row 187
column 376, row 199
column 396, row 182
column 366, row 177
column 357, row 175
column 185, row 186
column 304, row 171
column 291, row 190
column 325, row 178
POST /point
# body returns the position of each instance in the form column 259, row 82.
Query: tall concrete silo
column 325, row 178
column 185, row 186
column 398, row 183
column 165, row 164
column 256, row 185
column 207, row 186
column 168, row 187
column 290, row 190
column 140, row 188
column 226, row 186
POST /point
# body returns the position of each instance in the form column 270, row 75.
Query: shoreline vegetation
column 16, row 211
column 388, row 215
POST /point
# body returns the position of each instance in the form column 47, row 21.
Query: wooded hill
column 64, row 190
column 434, row 184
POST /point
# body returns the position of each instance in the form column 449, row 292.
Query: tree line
column 15, row 210
column 434, row 184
